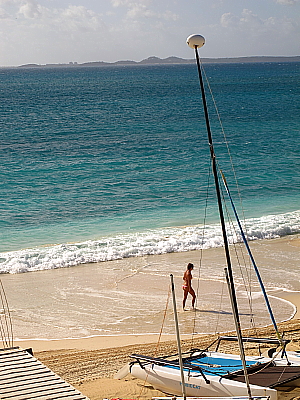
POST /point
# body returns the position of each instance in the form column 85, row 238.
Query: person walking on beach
column 187, row 286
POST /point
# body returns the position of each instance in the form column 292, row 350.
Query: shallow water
column 130, row 296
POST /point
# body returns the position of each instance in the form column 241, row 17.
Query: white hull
column 213, row 398
column 168, row 380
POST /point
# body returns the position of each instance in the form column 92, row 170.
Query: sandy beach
column 90, row 363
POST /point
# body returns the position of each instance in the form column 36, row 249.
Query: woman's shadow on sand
column 220, row 312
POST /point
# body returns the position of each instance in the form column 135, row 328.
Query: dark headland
column 170, row 60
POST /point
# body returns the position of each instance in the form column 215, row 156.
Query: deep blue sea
column 105, row 163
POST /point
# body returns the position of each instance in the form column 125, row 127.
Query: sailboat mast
column 217, row 187
column 195, row 41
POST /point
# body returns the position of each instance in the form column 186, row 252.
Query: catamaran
column 208, row 372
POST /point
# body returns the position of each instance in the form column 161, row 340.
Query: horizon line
column 154, row 60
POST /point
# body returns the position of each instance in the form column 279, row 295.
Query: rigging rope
column 239, row 195
column 201, row 253
column 225, row 141
column 205, row 215
column 228, row 150
column 159, row 339
column 246, row 284
column 255, row 266
column 201, row 266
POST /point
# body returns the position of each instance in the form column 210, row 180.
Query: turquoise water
column 105, row 163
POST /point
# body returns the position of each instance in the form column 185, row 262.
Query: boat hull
column 168, row 380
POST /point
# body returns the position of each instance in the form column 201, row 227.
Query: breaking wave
column 155, row 241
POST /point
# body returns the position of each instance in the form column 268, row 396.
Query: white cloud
column 143, row 8
column 3, row 2
column 260, row 36
column 287, row 2
column 72, row 18
column 30, row 10
column 3, row 14
column 134, row 8
column 139, row 10
column 129, row 3
column 77, row 18
column 169, row 15
column 251, row 22
column 247, row 19
column 229, row 19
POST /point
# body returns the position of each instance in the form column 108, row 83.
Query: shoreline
column 89, row 363
column 94, row 342
column 114, row 341
column 29, row 283
column 292, row 298
column 108, row 299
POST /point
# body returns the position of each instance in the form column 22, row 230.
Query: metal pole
column 215, row 174
column 229, row 274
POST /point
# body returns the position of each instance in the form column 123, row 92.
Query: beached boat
column 214, row 374
column 211, row 373
column 212, row 398
column 200, row 398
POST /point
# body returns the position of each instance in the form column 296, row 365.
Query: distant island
column 170, row 60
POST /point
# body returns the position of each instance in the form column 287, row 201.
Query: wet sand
column 129, row 296
column 89, row 364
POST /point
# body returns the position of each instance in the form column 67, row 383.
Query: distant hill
column 170, row 60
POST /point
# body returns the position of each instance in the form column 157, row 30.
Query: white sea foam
column 159, row 241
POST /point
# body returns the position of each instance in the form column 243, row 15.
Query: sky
column 63, row 31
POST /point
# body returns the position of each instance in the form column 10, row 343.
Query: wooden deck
column 23, row 377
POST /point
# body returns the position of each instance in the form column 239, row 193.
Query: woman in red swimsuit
column 187, row 286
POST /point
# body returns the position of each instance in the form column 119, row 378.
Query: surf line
column 130, row 275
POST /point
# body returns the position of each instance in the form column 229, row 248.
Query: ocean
column 111, row 163
column 105, row 163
